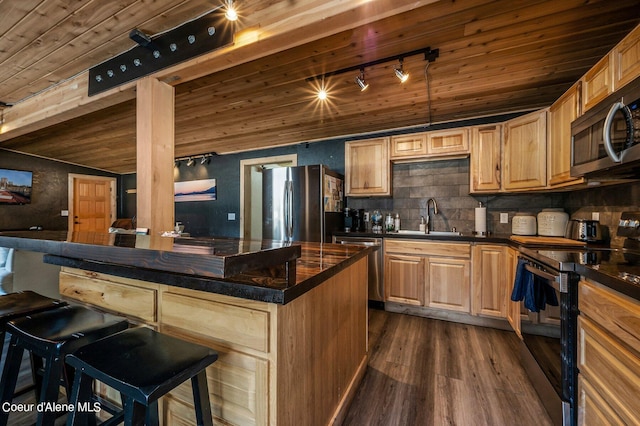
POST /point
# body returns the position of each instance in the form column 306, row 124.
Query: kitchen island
column 292, row 339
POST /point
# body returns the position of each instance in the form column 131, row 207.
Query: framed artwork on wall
column 15, row 186
column 195, row 190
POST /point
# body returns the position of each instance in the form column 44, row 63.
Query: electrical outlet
column 595, row 215
column 64, row 213
column 504, row 217
column 231, row 216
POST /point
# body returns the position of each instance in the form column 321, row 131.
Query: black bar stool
column 143, row 365
column 16, row 305
column 51, row 335
column 21, row 303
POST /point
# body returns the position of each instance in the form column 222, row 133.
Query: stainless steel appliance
column 605, row 141
column 549, row 344
column 549, row 352
column 585, row 230
column 301, row 203
column 376, row 283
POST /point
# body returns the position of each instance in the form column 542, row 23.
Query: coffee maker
column 359, row 224
column 354, row 220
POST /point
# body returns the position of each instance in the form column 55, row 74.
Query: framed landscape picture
column 15, row 186
column 195, row 190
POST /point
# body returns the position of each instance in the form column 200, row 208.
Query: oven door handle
column 554, row 280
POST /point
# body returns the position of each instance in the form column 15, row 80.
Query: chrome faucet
column 435, row 211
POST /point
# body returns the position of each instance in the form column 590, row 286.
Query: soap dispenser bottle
column 423, row 224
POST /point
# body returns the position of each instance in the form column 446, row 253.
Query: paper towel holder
column 481, row 221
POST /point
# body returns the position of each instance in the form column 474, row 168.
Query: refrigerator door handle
column 288, row 208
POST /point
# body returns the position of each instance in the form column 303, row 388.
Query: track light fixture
column 402, row 76
column 191, row 160
column 231, row 14
column 361, row 81
column 430, row 55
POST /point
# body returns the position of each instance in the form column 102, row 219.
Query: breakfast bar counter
column 290, row 324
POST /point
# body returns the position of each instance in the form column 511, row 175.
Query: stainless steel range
column 549, row 351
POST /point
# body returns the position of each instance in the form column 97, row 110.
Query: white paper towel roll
column 481, row 220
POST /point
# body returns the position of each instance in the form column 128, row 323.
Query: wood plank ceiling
column 496, row 56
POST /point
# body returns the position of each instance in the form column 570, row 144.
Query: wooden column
column 155, row 155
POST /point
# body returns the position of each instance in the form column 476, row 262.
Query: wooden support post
column 155, row 154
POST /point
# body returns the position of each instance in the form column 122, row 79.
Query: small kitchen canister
column 552, row 222
column 523, row 224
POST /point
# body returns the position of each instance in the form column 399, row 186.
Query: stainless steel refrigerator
column 301, row 203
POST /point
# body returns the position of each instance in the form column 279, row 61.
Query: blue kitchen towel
column 519, row 284
column 535, row 291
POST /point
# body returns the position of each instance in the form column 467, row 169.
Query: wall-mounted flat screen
column 15, row 186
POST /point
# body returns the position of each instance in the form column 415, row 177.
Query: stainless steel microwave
column 605, row 141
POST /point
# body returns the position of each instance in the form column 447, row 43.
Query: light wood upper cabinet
column 561, row 114
column 626, row 59
column 448, row 142
column 597, row 83
column 489, row 281
column 485, row 169
column 524, row 154
column 409, row 146
column 367, row 168
column 430, row 145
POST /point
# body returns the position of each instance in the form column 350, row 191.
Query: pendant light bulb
column 231, row 13
column 361, row 81
column 402, row 76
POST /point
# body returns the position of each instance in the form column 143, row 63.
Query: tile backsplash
column 447, row 181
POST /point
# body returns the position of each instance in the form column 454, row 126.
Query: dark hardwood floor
column 430, row 372
column 427, row 372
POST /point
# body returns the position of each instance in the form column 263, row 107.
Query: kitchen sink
column 432, row 233
column 445, row 233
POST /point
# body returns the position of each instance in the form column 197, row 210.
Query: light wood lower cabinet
column 429, row 274
column 608, row 356
column 298, row 363
column 448, row 284
column 513, row 308
column 489, row 281
column 404, row 278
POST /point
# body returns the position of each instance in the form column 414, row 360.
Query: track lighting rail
column 429, row 55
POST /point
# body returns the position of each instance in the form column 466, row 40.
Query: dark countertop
column 188, row 262
column 490, row 239
column 210, row 257
column 610, row 272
